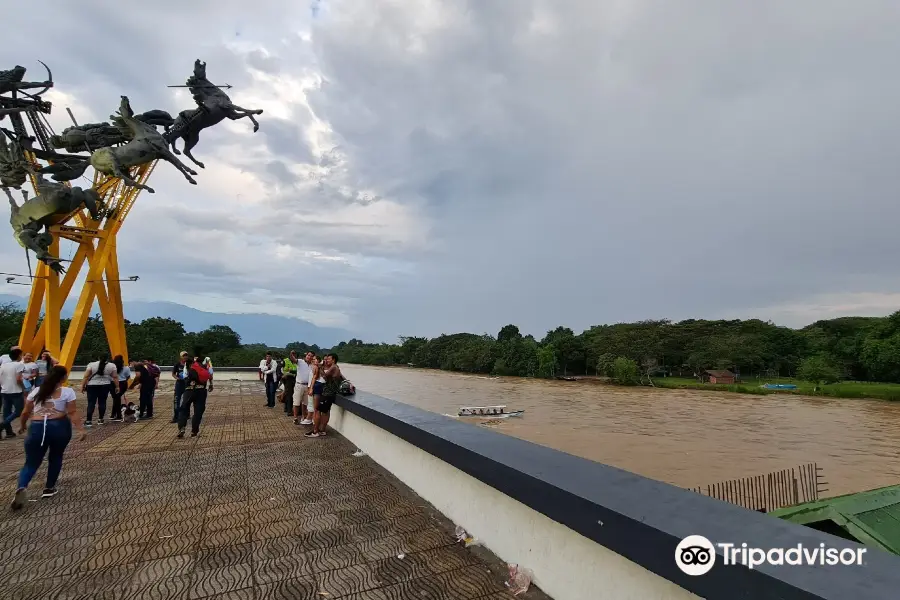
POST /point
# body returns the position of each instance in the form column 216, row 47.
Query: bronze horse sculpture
column 213, row 106
column 145, row 144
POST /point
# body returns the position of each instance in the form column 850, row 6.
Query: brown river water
column 684, row 437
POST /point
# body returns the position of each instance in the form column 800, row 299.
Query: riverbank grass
column 843, row 389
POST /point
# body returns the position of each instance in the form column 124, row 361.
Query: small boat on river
column 497, row 411
column 779, row 386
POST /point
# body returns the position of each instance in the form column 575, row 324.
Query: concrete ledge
column 588, row 530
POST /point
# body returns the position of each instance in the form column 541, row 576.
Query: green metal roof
column 872, row 517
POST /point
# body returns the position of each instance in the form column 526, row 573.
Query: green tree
column 508, row 333
column 819, row 369
column 569, row 349
column 11, row 318
column 605, row 364
column 218, row 338
column 547, row 361
column 625, row 371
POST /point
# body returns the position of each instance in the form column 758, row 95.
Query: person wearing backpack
column 198, row 384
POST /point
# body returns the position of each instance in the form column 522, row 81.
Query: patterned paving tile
column 231, row 515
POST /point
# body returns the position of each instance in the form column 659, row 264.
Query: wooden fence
column 771, row 491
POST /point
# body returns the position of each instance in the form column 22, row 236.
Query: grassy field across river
column 843, row 389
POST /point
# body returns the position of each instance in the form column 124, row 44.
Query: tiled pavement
column 250, row 510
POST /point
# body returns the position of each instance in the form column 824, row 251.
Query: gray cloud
column 264, row 62
column 465, row 165
column 284, row 139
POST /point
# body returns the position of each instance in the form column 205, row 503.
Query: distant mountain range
column 273, row 330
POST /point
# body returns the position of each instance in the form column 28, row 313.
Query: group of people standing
column 49, row 413
column 310, row 387
column 18, row 378
column 103, row 379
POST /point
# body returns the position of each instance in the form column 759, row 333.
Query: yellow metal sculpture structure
column 96, row 250
column 123, row 153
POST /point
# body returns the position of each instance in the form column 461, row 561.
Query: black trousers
column 288, row 395
column 118, row 390
column 197, row 397
column 145, row 409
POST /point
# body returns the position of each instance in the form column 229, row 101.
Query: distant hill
column 273, row 330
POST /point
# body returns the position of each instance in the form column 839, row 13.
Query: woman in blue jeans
column 48, row 416
column 97, row 384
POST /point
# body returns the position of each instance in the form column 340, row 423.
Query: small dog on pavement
column 129, row 413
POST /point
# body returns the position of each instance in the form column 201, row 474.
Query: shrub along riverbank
column 843, row 389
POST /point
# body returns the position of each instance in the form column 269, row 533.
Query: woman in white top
column 97, row 383
column 316, row 385
column 30, row 373
column 45, row 363
column 48, row 417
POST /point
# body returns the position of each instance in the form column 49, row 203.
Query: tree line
column 854, row 348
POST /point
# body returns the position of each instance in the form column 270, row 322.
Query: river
column 684, row 437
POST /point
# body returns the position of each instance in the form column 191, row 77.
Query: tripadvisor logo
column 696, row 555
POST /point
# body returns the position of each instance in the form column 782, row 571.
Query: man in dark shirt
column 289, row 378
column 144, row 378
column 155, row 371
column 178, row 376
column 198, row 383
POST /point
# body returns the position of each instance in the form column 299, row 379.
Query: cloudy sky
column 429, row 166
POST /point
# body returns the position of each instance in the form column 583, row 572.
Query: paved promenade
column 250, row 510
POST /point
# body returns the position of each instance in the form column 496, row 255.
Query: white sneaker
column 306, row 422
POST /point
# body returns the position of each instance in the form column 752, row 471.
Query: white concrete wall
column 566, row 565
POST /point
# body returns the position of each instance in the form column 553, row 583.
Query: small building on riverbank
column 726, row 377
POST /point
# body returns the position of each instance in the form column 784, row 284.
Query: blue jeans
column 55, row 437
column 271, row 386
column 12, row 408
column 97, row 394
column 179, row 390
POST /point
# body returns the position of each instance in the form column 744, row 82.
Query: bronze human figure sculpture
column 92, row 136
column 54, row 202
column 12, row 80
column 14, row 167
column 213, row 106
